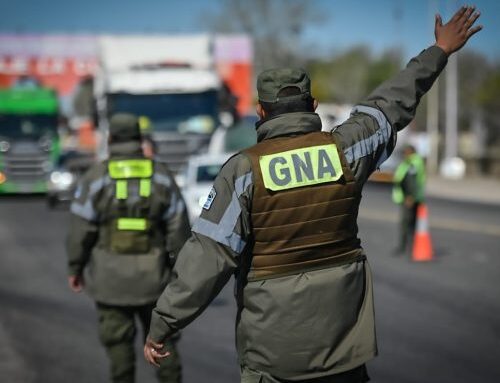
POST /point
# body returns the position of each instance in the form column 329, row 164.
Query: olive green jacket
column 310, row 324
column 118, row 279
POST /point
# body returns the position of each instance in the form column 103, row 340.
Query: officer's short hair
column 288, row 104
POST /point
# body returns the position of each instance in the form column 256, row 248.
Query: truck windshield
column 27, row 126
column 181, row 112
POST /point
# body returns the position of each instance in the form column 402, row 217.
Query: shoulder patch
column 210, row 199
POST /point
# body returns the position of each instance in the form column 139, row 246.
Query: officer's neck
column 288, row 124
column 125, row 149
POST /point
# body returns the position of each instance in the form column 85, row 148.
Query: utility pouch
column 130, row 236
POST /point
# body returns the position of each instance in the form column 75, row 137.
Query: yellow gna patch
column 301, row 167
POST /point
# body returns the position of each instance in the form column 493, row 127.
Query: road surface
column 436, row 322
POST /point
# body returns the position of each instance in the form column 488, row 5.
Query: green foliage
column 352, row 75
column 488, row 94
column 276, row 27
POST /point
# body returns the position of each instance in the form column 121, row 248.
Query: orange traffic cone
column 422, row 245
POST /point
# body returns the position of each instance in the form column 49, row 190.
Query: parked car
column 62, row 180
column 198, row 179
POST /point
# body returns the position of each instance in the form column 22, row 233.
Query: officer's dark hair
column 290, row 100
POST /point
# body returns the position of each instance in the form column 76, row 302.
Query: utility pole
column 451, row 127
column 433, row 110
column 433, row 128
column 451, row 140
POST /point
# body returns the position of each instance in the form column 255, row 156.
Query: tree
column 276, row 27
column 488, row 97
column 352, row 75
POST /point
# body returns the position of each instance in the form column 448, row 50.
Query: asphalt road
column 436, row 322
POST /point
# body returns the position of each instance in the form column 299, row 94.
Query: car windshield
column 207, row 173
column 180, row 112
column 27, row 126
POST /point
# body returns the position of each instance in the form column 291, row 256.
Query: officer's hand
column 76, row 283
column 152, row 352
column 409, row 201
column 453, row 35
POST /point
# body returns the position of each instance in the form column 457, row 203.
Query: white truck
column 169, row 82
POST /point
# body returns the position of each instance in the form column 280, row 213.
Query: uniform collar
column 287, row 125
column 125, row 149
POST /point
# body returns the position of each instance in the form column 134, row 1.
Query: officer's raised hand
column 452, row 36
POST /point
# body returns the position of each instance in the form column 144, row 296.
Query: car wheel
column 52, row 201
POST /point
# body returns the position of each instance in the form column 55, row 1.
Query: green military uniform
column 281, row 217
column 409, row 181
column 128, row 223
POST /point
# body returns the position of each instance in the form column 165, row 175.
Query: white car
column 198, row 179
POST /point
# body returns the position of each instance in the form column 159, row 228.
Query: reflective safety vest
column 129, row 224
column 417, row 163
column 304, row 206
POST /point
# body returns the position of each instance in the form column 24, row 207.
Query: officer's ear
column 260, row 111
column 315, row 104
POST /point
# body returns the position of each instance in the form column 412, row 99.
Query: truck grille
column 30, row 167
column 175, row 149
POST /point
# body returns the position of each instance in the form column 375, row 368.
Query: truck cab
column 169, row 83
column 29, row 141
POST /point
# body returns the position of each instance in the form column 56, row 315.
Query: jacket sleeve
column 212, row 253
column 176, row 221
column 82, row 234
column 368, row 137
column 399, row 97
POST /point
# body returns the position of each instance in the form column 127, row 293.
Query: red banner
column 62, row 74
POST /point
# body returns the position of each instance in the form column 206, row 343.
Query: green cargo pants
column 117, row 332
column 356, row 375
column 407, row 224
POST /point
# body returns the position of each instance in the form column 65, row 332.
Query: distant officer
column 282, row 217
column 408, row 191
column 128, row 223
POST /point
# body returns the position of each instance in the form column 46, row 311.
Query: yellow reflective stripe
column 142, row 168
column 138, row 224
column 121, row 189
column 145, row 187
column 144, row 124
column 301, row 167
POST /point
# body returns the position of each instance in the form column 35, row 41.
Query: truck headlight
column 63, row 179
column 45, row 143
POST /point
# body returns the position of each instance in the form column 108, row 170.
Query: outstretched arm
column 369, row 135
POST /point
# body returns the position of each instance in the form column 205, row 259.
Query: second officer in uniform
column 128, row 223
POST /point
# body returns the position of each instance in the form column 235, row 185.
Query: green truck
column 29, row 140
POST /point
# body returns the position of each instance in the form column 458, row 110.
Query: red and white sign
column 55, row 61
